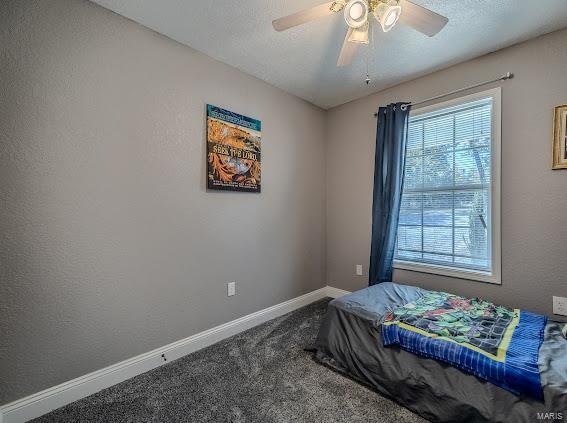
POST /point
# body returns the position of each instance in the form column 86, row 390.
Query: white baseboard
column 336, row 292
column 45, row 401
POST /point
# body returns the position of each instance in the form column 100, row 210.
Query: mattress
column 350, row 342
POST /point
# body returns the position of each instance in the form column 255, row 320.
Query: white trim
column 336, row 292
column 45, row 401
column 453, row 272
column 495, row 274
column 496, row 197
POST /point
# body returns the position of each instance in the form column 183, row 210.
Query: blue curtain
column 391, row 140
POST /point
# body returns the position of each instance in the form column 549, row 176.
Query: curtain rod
column 504, row 77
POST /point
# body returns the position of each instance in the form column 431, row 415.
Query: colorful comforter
column 492, row 342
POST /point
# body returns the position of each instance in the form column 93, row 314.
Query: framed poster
column 233, row 151
column 560, row 138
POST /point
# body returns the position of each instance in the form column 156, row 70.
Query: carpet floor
column 261, row 375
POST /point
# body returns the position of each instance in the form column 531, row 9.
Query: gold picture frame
column 560, row 138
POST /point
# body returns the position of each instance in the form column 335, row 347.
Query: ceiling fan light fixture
column 337, row 6
column 356, row 13
column 388, row 13
column 359, row 35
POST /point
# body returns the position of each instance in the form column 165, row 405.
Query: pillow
column 564, row 331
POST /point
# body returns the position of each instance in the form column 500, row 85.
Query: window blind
column 445, row 216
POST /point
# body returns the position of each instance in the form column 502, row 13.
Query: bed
column 350, row 341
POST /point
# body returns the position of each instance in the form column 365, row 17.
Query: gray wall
column 534, row 204
column 109, row 244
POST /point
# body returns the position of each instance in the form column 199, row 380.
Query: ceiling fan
column 356, row 13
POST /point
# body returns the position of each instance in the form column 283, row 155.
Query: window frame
column 493, row 276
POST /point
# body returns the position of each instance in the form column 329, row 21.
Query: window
column 450, row 212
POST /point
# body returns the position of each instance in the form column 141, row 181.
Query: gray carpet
column 262, row 375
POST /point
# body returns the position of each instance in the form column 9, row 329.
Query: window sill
column 473, row 275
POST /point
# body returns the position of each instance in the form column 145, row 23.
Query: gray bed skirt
column 350, row 342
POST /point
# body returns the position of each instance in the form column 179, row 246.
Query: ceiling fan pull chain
column 367, row 80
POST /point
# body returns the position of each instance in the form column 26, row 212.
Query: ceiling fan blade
column 302, row 17
column 421, row 19
column 348, row 50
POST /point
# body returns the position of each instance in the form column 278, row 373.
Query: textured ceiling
column 302, row 60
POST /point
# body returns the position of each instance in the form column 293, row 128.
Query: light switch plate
column 231, row 289
column 359, row 269
column 560, row 306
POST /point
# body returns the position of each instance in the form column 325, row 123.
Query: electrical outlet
column 359, row 269
column 560, row 306
column 231, row 289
